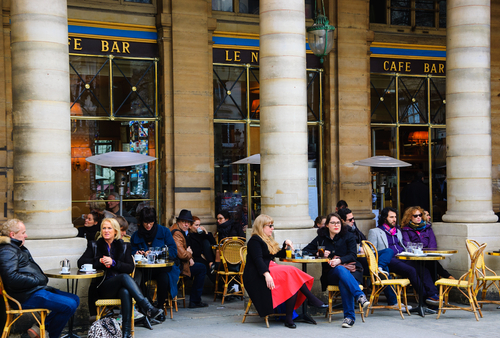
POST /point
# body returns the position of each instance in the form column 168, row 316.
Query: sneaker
column 347, row 323
column 380, row 270
column 363, row 301
column 403, row 307
column 232, row 289
column 34, row 331
column 434, row 300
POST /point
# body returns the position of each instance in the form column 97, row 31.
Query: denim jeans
column 348, row 286
column 61, row 304
column 198, row 272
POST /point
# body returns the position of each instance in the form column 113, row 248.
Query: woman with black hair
column 342, row 269
column 319, row 222
column 151, row 234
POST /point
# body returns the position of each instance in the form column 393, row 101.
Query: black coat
column 21, row 276
column 342, row 245
column 121, row 254
column 258, row 259
column 229, row 229
column 195, row 241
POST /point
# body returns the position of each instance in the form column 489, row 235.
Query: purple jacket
column 426, row 237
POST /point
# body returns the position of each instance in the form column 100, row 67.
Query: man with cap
column 189, row 267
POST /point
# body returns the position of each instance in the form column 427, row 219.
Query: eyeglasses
column 350, row 220
column 270, row 225
column 417, row 215
column 335, row 223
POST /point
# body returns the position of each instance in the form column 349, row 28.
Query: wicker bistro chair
column 230, row 254
column 334, row 293
column 378, row 284
column 485, row 277
column 12, row 315
column 466, row 282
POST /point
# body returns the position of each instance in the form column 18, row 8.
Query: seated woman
column 269, row 284
column 91, row 226
column 342, row 269
column 319, row 222
column 151, row 234
column 416, row 228
column 111, row 254
column 226, row 227
column 201, row 241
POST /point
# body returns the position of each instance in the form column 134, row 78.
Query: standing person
column 416, row 229
column 25, row 281
column 201, row 241
column 319, row 222
column 416, row 193
column 151, row 234
column 269, row 284
column 387, row 235
column 111, row 254
column 226, row 227
column 342, row 269
column 114, row 207
column 189, row 267
column 91, row 226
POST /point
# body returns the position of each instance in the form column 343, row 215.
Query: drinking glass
column 321, row 251
column 409, row 247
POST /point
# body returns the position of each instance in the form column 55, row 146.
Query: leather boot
column 149, row 310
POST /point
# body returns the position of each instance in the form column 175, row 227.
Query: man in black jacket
column 24, row 280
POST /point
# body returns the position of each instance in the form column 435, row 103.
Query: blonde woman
column 269, row 284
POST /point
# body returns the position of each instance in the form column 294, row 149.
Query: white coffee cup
column 138, row 257
column 65, row 269
column 87, row 267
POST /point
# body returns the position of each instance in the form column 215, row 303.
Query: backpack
column 105, row 328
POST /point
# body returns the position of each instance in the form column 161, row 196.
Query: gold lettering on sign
column 386, row 65
column 441, row 68
column 115, row 48
column 77, row 44
column 237, row 55
column 408, row 67
column 104, row 46
column 255, row 57
column 393, row 67
column 125, row 46
column 227, row 56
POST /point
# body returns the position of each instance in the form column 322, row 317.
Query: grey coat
column 378, row 238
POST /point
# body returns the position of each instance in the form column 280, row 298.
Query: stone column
column 41, row 117
column 283, row 123
column 468, row 113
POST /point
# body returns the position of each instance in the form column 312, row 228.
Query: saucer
column 64, row 273
column 88, row 271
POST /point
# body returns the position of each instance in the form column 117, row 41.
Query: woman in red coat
column 269, row 284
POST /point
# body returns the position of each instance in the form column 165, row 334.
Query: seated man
column 188, row 266
column 25, row 281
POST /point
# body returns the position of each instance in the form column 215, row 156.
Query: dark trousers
column 198, row 272
column 410, row 270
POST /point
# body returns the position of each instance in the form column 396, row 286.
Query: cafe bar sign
column 82, row 45
column 405, row 66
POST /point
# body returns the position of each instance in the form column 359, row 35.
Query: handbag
column 351, row 266
column 105, row 328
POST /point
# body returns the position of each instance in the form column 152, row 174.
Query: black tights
column 290, row 302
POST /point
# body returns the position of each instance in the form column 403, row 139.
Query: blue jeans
column 198, row 272
column 61, row 304
column 348, row 286
column 384, row 258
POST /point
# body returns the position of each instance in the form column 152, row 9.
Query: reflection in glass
column 439, row 184
column 222, row 5
column 424, row 13
column 249, row 6
column 89, row 86
column 313, row 158
column 401, row 12
column 412, row 100
column 442, row 14
column 438, row 105
column 254, row 94
column 384, row 144
column 378, row 11
column 229, row 93
column 383, row 99
column 313, row 89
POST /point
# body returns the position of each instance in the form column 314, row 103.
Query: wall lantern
column 78, row 156
column 320, row 34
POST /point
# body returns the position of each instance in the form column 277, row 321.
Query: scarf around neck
column 391, row 231
column 150, row 235
column 418, row 227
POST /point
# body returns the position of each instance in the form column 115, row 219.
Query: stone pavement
column 225, row 321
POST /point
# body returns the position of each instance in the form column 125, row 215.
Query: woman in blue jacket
column 151, row 234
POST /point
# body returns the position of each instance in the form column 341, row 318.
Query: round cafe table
column 74, row 275
column 421, row 309
column 304, row 316
column 493, row 253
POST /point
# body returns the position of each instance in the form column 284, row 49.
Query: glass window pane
column 249, row 6
column 383, row 99
column 230, row 100
column 412, row 100
column 378, row 11
column 384, row 180
column 134, row 88
column 442, row 14
column 230, row 179
column 222, row 5
column 313, row 170
column 424, row 13
column 401, row 12
column 254, row 94
column 309, row 9
column 439, row 184
column 313, row 96
column 438, row 97
column 89, row 86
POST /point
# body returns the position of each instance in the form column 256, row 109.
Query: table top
column 420, row 258
column 494, row 253
column 155, row 265
column 441, row 251
column 302, row 260
column 75, row 273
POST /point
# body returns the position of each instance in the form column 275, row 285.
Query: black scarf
column 150, row 235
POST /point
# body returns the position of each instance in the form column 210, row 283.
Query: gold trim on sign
column 114, row 38
column 100, row 24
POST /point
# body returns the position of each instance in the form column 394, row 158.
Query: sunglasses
column 417, row 215
column 270, row 225
column 350, row 220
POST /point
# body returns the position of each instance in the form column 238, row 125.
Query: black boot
column 149, row 310
column 126, row 330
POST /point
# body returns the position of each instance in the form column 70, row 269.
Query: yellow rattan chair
column 485, row 277
column 378, row 284
column 152, row 285
column 465, row 282
column 13, row 315
column 230, row 254
column 334, row 294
